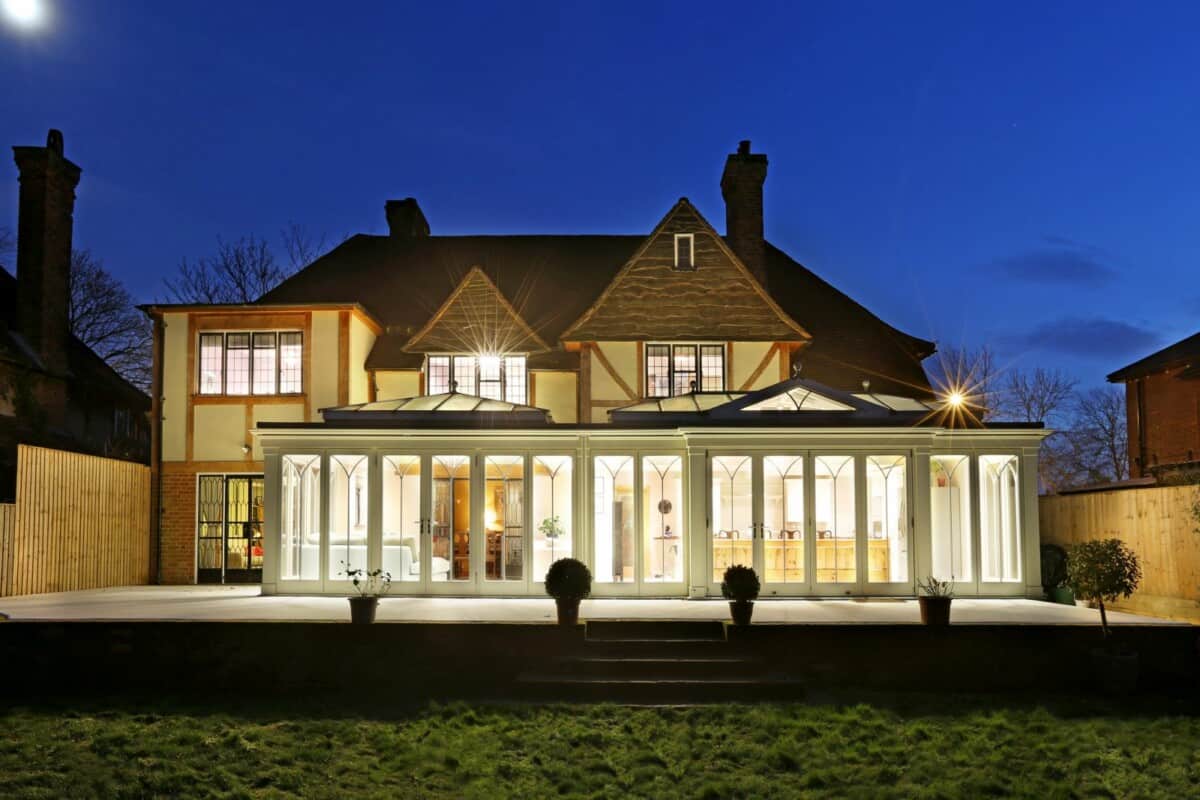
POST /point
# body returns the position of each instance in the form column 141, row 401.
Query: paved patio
column 241, row 603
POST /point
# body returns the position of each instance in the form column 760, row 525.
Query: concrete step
column 650, row 691
column 655, row 630
column 657, row 667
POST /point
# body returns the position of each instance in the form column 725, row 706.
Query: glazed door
column 757, row 519
column 230, row 529
column 405, row 541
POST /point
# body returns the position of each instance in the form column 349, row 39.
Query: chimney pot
column 744, row 147
column 405, row 219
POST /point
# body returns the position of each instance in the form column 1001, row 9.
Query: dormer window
column 490, row 376
column 685, row 251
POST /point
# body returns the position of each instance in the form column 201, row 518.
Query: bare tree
column 102, row 315
column 1100, row 435
column 301, row 246
column 240, row 272
column 971, row 373
column 1042, row 395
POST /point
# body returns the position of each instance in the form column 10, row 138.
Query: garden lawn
column 885, row 747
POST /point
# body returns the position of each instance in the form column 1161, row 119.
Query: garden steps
column 655, row 662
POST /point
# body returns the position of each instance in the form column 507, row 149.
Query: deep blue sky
column 1020, row 174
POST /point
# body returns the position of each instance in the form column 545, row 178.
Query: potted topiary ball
column 1099, row 571
column 740, row 587
column 934, row 600
column 1054, row 575
column 568, row 581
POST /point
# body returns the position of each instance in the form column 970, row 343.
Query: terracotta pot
column 935, row 611
column 1115, row 673
column 568, row 610
column 362, row 610
column 741, row 611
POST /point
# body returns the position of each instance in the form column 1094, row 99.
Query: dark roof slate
column 551, row 280
column 1184, row 353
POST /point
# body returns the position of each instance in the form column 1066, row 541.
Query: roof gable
column 475, row 318
column 1184, row 353
column 650, row 299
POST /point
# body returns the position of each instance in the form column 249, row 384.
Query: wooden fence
column 1158, row 523
column 80, row 522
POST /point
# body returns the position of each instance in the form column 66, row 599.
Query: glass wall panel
column 451, row 538
column 950, row 517
column 662, row 516
column 732, row 514
column 552, row 518
column 613, row 522
column 300, row 518
column 999, row 519
column 348, row 503
column 783, row 519
column 402, row 518
column 504, row 517
column 887, row 519
column 833, row 500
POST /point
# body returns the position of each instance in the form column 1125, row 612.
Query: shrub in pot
column 740, row 586
column 934, row 601
column 369, row 587
column 568, row 581
column 1103, row 571
column 1054, row 575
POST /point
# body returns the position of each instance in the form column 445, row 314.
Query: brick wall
column 178, row 520
column 1172, row 421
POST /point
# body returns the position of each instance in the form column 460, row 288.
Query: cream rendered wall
column 220, row 432
column 175, row 387
column 362, row 339
column 324, row 378
column 276, row 412
column 556, row 392
column 397, row 384
column 623, row 358
column 746, row 358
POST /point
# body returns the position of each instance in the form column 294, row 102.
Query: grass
column 911, row 746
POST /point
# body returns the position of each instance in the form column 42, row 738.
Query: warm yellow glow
column 955, row 399
column 25, row 13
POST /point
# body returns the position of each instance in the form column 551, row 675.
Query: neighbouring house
column 463, row 410
column 1162, row 406
column 54, row 391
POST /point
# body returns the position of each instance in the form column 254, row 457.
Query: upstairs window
column 493, row 377
column 240, row 363
column 677, row 369
column 685, row 245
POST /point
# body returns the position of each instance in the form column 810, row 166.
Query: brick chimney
column 742, row 187
column 405, row 219
column 44, row 222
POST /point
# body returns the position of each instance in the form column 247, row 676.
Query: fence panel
column 1158, row 523
column 80, row 522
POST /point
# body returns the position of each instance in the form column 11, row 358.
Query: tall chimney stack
column 405, row 219
column 44, row 223
column 742, row 187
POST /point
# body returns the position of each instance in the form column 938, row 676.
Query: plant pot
column 935, row 611
column 1063, row 595
column 568, row 611
column 1115, row 673
column 362, row 610
column 741, row 611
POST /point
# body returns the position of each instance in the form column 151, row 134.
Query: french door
column 475, row 524
column 229, row 535
column 812, row 523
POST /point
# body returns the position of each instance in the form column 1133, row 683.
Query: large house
column 463, row 410
column 1162, row 404
column 54, row 390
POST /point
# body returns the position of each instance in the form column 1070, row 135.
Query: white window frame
column 691, row 240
